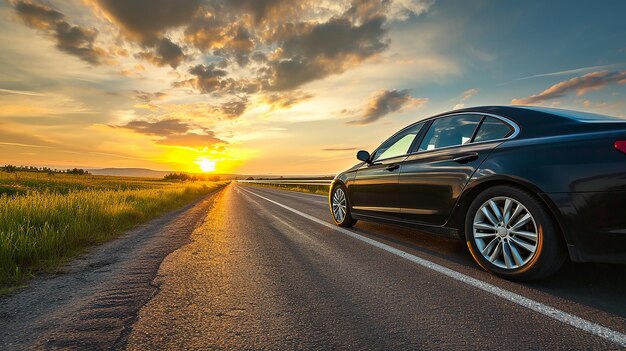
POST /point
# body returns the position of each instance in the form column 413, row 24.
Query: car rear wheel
column 340, row 207
column 511, row 234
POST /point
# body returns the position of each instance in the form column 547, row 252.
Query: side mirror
column 363, row 156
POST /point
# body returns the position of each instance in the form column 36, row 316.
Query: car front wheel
column 511, row 234
column 340, row 207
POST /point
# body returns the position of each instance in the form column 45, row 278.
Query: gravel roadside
column 95, row 301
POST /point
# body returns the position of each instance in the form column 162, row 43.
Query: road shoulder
column 93, row 304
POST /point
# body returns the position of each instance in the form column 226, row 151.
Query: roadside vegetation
column 319, row 189
column 192, row 177
column 47, row 218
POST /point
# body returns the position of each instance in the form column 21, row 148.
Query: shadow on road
column 597, row 285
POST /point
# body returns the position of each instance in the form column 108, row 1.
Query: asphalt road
column 264, row 270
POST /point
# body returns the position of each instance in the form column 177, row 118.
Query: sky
column 283, row 86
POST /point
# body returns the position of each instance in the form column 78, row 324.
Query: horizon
column 282, row 87
column 88, row 168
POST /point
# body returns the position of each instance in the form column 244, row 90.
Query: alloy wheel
column 339, row 204
column 505, row 233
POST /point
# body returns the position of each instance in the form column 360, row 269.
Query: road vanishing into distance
column 250, row 268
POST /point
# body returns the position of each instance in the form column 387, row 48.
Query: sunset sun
column 206, row 165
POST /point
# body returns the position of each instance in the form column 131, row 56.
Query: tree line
column 191, row 177
column 13, row 169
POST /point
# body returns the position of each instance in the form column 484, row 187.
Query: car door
column 374, row 189
column 432, row 178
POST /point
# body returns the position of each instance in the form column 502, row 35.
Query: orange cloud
column 387, row 101
column 74, row 40
column 581, row 85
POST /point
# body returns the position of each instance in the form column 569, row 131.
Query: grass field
column 45, row 219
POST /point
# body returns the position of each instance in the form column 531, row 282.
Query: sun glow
column 206, row 165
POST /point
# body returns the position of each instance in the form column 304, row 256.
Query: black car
column 524, row 186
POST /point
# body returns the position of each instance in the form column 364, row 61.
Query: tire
column 340, row 207
column 515, row 243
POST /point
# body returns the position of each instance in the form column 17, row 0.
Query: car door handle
column 466, row 158
column 392, row 168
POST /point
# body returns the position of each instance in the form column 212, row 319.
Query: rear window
column 492, row 129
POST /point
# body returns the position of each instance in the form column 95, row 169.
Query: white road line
column 549, row 311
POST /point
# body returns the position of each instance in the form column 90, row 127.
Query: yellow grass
column 52, row 217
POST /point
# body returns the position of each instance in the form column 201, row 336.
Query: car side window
column 492, row 129
column 399, row 144
column 450, row 131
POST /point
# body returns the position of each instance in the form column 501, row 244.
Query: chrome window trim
column 516, row 131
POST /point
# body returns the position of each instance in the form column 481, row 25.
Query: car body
column 569, row 161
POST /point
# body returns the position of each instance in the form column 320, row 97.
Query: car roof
column 562, row 114
column 538, row 121
column 579, row 116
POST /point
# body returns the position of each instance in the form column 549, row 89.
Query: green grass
column 311, row 189
column 20, row 183
column 7, row 291
column 52, row 218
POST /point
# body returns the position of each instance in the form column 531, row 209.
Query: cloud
column 581, row 85
column 234, row 109
column 296, row 52
column 192, row 140
column 158, row 128
column 572, row 71
column 464, row 97
column 263, row 11
column 79, row 41
column 227, row 40
column 285, row 100
column 401, row 10
column 239, row 46
column 206, row 33
column 197, row 114
column 20, row 92
column 147, row 97
column 363, row 10
column 147, row 20
column 174, row 132
column 325, row 49
column 38, row 15
column 212, row 79
column 387, row 101
column 289, row 43
column 338, row 38
column 233, row 29
column 165, row 53
column 74, row 40
column 208, row 78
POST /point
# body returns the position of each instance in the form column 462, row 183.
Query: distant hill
column 150, row 173
column 147, row 173
column 130, row 172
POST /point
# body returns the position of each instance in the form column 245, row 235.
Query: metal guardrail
column 319, row 182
